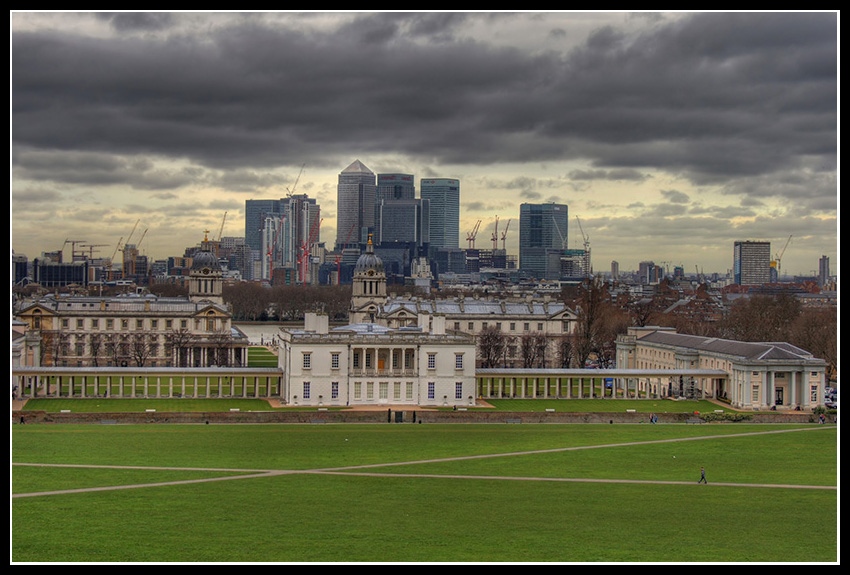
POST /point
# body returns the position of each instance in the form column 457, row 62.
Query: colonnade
column 146, row 382
column 387, row 360
column 583, row 384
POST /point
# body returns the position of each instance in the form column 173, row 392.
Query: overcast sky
column 669, row 135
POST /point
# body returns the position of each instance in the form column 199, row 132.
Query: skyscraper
column 255, row 218
column 395, row 187
column 443, row 195
column 398, row 214
column 542, row 238
column 356, row 190
column 751, row 263
column 823, row 270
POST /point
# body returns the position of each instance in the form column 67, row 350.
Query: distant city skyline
column 670, row 135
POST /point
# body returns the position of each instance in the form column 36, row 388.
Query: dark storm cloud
column 675, row 196
column 707, row 96
column 136, row 21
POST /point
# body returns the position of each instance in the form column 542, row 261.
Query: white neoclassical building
column 138, row 330
column 370, row 303
column 369, row 363
column 750, row 375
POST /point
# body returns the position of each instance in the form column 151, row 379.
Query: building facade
column 356, row 192
column 368, row 362
column 139, row 330
column 542, row 238
column 443, row 194
column 256, row 212
column 823, row 271
column 751, row 263
column 749, row 375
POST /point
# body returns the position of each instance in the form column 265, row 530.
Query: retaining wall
column 406, row 416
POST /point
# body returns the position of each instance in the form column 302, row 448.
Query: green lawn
column 261, row 357
column 530, row 493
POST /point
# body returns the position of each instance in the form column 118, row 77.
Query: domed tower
column 205, row 277
column 369, row 287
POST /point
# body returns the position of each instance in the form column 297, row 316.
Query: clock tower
column 205, row 277
column 369, row 287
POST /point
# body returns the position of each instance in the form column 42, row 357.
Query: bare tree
column 118, row 348
column 762, row 318
column 816, row 331
column 491, row 346
column 140, row 348
column 564, row 351
column 95, row 347
column 249, row 301
column 222, row 342
column 533, row 349
column 178, row 342
column 641, row 311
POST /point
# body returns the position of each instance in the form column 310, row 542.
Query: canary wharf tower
column 355, row 205
column 444, row 196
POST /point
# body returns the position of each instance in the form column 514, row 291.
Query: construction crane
column 73, row 246
column 221, row 229
column 117, row 247
column 779, row 260
column 91, row 248
column 495, row 236
column 291, row 191
column 560, row 235
column 144, row 233
column 586, row 242
column 132, row 232
column 585, row 239
column 470, row 236
column 505, row 234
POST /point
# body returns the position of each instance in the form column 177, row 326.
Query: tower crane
column 470, row 236
column 117, row 247
column 585, row 239
column 132, row 232
column 291, row 191
column 221, row 229
column 91, row 248
column 505, row 234
column 144, row 233
column 495, row 236
column 560, row 235
column 586, row 242
column 73, row 245
column 779, row 260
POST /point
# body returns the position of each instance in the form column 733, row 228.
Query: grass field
column 261, row 357
column 424, row 493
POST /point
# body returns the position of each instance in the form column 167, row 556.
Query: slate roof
column 755, row 351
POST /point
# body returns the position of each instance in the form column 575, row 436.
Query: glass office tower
column 355, row 218
column 542, row 239
column 443, row 195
